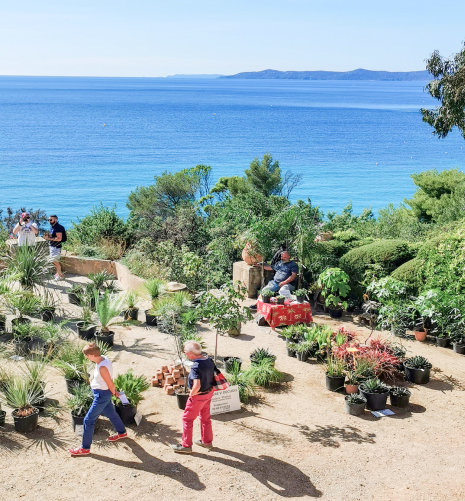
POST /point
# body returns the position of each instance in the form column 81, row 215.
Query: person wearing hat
column 26, row 230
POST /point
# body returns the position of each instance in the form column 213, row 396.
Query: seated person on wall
column 285, row 277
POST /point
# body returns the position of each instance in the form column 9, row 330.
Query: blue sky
column 158, row 38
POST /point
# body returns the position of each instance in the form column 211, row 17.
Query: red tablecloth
column 285, row 314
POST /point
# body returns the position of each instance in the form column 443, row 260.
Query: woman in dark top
column 200, row 383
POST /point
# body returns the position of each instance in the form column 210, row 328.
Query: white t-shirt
column 25, row 234
column 97, row 381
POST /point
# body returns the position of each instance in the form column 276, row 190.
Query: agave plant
column 80, row 401
column 374, row 386
column 107, row 307
column 356, row 398
column 18, row 394
column 260, row 354
column 400, row 391
column 133, row 386
column 32, row 263
column 131, row 299
column 34, row 373
column 155, row 287
column 418, row 362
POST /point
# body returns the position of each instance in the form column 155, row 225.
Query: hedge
column 388, row 254
column 410, row 273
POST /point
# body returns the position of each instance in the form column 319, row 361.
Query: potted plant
column 417, row 369
column 74, row 293
column 352, row 381
column 335, row 284
column 85, row 326
column 244, row 380
column 131, row 311
column 34, row 373
column 399, row 396
column 260, row 354
column 53, row 336
column 48, row 304
column 155, row 288
column 18, row 394
column 2, row 417
column 300, row 295
column 266, row 294
column 458, row 343
column 23, row 336
column 79, row 403
column 133, row 387
column 291, row 349
column 376, row 393
column 22, row 304
column 335, row 374
column 355, row 404
column 280, row 299
column 230, row 361
column 107, row 309
column 302, row 350
column 104, row 281
column 73, row 365
column 264, row 373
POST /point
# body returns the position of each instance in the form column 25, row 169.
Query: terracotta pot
column 351, row 388
column 420, row 335
column 249, row 256
column 164, row 368
column 176, row 373
column 170, row 380
column 169, row 390
column 155, row 382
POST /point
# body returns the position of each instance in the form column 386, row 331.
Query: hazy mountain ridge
column 359, row 74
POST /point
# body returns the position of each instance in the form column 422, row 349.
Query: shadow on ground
column 332, row 436
column 282, row 478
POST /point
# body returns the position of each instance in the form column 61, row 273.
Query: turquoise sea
column 68, row 143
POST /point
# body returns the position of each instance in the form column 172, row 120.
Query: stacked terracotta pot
column 170, row 378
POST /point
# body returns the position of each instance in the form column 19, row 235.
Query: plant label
column 385, row 412
column 123, row 398
column 225, row 400
column 138, row 418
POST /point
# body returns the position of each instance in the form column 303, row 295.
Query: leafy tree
column 448, row 87
column 347, row 219
column 436, row 190
column 265, row 176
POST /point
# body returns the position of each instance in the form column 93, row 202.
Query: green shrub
column 386, row 254
column 410, row 273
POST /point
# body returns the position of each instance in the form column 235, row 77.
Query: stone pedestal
column 250, row 276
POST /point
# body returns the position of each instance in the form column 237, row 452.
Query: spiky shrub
column 244, row 380
column 107, row 307
column 155, row 287
column 334, row 367
column 53, row 335
column 418, row 362
column 34, row 373
column 18, row 394
column 374, row 386
column 302, row 347
column 131, row 299
column 32, row 263
column 80, row 402
column 23, row 304
column 356, row 398
column 133, row 386
column 104, row 280
column 400, row 391
column 25, row 331
column 264, row 373
column 261, row 354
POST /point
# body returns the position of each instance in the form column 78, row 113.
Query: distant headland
column 359, row 74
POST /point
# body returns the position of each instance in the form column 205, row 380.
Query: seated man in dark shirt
column 285, row 277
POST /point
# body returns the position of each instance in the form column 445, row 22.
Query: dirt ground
column 294, row 441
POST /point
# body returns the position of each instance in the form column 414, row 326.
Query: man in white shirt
column 26, row 230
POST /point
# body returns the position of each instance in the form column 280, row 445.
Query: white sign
column 138, row 418
column 225, row 400
column 385, row 412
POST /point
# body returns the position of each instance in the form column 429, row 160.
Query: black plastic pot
column 17, row 321
column 417, row 376
column 22, row 347
column 266, row 299
column 48, row 315
column 459, row 348
column 71, row 384
column 335, row 313
column 399, row 400
column 229, row 362
column 182, row 399
column 77, row 421
column 300, row 299
column 73, row 298
column 131, row 314
column 354, row 409
column 291, row 353
column 2, row 418
column 2, row 323
column 85, row 332
column 302, row 356
column 335, row 383
column 150, row 319
column 26, row 424
column 375, row 401
column 106, row 338
column 442, row 342
column 280, row 300
column 126, row 412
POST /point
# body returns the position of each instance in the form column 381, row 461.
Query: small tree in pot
column 107, row 308
column 335, row 284
column 133, row 387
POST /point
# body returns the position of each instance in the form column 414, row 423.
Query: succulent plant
column 355, row 398
column 374, row 385
column 417, row 362
column 262, row 354
column 400, row 391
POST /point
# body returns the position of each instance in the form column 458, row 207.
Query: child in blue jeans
column 102, row 388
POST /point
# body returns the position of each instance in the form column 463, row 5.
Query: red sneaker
column 79, row 452
column 117, row 436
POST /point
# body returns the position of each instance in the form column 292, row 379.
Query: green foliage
column 387, row 254
column 264, row 373
column 418, row 362
column 436, row 190
column 133, row 386
column 355, row 398
column 260, row 354
column 108, row 306
column 22, row 303
column 244, row 380
column 155, row 287
column 335, row 284
column 19, row 393
column 374, row 386
column 448, row 88
column 335, row 367
column 53, row 335
column 410, row 274
column 80, row 401
column 101, row 223
column 400, row 391
column 265, row 176
column 346, row 220
column 32, row 264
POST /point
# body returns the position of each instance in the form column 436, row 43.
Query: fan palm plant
column 133, row 386
column 32, row 263
column 107, row 307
